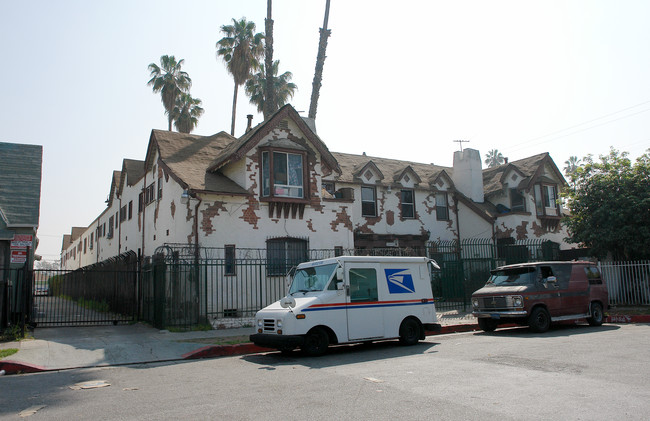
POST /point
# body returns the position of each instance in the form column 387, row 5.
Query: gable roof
column 351, row 165
column 237, row 149
column 530, row 168
column 20, row 184
column 187, row 158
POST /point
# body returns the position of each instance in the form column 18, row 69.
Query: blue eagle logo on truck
column 399, row 281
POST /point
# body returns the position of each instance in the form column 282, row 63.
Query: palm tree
column 494, row 158
column 268, row 61
column 281, row 86
column 170, row 81
column 186, row 113
column 241, row 50
column 572, row 165
column 320, row 63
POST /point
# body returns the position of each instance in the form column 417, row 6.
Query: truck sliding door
column 365, row 316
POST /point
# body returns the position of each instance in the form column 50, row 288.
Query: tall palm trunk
column 234, row 110
column 269, row 101
column 169, row 119
column 320, row 63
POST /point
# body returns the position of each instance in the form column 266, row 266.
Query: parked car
column 538, row 294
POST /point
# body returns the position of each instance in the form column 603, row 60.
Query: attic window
column 368, row 175
column 406, row 178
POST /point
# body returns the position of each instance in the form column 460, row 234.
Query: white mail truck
column 351, row 299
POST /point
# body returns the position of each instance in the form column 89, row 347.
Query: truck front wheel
column 316, row 342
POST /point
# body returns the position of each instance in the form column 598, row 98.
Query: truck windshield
column 312, row 279
column 514, row 276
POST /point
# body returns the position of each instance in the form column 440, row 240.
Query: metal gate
column 83, row 297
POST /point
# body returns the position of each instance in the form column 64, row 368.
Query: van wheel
column 409, row 332
column 539, row 320
column 596, row 318
column 316, row 342
column 487, row 325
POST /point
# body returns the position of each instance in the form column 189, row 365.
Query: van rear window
column 593, row 275
column 513, row 276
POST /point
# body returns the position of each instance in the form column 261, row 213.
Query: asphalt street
column 576, row 372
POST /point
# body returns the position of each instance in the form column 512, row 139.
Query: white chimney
column 468, row 174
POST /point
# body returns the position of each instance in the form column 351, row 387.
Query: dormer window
column 546, row 200
column 283, row 174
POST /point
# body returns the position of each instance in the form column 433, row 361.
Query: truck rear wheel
column 409, row 332
column 316, row 342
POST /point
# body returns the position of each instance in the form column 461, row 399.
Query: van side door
column 576, row 297
column 364, row 314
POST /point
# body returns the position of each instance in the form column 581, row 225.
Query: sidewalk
column 80, row 347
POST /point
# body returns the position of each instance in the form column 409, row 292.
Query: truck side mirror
column 339, row 274
column 339, row 286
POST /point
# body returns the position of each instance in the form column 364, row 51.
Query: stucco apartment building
column 279, row 188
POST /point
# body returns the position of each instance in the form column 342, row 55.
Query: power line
column 527, row 143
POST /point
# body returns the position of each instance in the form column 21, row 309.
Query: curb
column 212, row 351
column 644, row 318
column 16, row 367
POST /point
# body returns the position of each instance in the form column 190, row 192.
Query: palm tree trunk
column 234, row 110
column 269, row 100
column 169, row 119
column 320, row 63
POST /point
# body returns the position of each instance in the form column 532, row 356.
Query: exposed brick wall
column 503, row 233
column 522, row 232
column 208, row 214
column 390, row 218
column 342, row 218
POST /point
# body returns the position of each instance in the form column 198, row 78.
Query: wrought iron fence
column 84, row 297
column 628, row 283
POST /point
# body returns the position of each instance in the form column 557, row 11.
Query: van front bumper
column 499, row 314
column 273, row 340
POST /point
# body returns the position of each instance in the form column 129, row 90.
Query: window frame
column 440, row 216
column 404, row 204
column 284, row 253
column 515, row 193
column 267, row 170
column 364, row 209
column 542, row 199
column 230, row 260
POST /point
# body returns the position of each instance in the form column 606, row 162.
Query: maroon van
column 537, row 294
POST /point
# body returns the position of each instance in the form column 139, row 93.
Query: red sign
column 18, row 256
column 21, row 241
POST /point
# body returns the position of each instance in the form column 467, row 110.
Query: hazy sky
column 402, row 79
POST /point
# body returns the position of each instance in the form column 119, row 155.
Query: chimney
column 505, row 160
column 468, row 174
column 250, row 122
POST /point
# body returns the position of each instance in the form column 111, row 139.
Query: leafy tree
column 170, row 81
column 282, row 88
column 186, row 113
column 494, row 158
column 610, row 206
column 240, row 49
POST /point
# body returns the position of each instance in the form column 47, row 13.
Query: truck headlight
column 518, row 301
column 260, row 323
column 279, row 324
column 475, row 302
